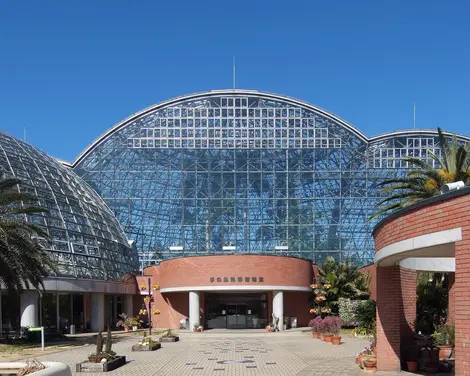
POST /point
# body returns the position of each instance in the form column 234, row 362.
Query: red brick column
column 396, row 310
column 451, row 298
column 462, row 307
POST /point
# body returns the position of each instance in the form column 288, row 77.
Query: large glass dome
column 87, row 240
column 240, row 171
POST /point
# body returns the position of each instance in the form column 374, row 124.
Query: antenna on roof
column 234, row 73
column 414, row 115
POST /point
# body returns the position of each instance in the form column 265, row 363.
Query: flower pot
column 374, row 350
column 328, row 337
column 267, row 330
column 370, row 363
column 363, row 358
column 315, row 335
column 126, row 329
column 412, row 365
column 336, row 340
column 321, row 336
column 445, row 352
column 134, row 328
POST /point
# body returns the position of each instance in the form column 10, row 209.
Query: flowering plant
column 143, row 312
column 147, row 300
column 313, row 310
column 156, row 311
column 316, row 324
column 327, row 286
column 156, row 287
column 313, row 286
column 143, row 287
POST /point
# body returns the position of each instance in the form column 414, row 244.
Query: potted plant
column 444, row 338
column 286, row 322
column 134, row 322
column 412, row 362
column 315, row 325
column 169, row 336
column 366, row 354
column 102, row 360
column 335, row 327
column 321, row 329
column 327, row 325
column 146, row 344
column 124, row 322
column 200, row 328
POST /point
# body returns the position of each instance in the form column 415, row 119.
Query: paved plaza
column 231, row 353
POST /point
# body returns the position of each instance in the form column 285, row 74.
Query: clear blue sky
column 69, row 70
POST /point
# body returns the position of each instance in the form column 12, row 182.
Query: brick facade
column 445, row 213
column 198, row 271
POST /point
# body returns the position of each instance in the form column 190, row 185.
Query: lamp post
column 149, row 312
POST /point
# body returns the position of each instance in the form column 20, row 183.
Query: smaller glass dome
column 87, row 240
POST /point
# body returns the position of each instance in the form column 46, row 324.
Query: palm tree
column 425, row 180
column 340, row 281
column 23, row 262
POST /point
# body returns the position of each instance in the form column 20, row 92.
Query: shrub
column 445, row 335
column 335, row 324
column 316, row 324
column 366, row 316
column 347, row 311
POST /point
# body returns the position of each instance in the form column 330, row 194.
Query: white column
column 128, row 303
column 278, row 308
column 194, row 309
column 97, row 312
column 29, row 308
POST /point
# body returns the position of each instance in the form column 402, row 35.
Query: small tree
column 99, row 343
column 108, row 347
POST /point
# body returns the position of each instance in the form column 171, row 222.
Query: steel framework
column 86, row 239
column 245, row 172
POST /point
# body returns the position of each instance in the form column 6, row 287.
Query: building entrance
column 236, row 311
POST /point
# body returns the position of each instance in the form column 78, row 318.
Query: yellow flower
column 313, row 310
column 156, row 287
column 156, row 312
column 327, row 286
column 313, row 286
column 147, row 299
column 142, row 286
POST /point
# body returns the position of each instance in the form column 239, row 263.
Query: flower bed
column 106, row 366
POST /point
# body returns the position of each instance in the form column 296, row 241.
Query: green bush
column 366, row 316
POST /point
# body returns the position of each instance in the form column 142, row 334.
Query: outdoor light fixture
column 452, row 187
column 176, row 248
column 229, row 248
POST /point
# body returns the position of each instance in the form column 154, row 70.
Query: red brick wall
column 197, row 271
column 296, row 304
column 451, row 308
column 438, row 216
column 396, row 309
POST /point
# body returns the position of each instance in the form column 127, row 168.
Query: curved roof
column 214, row 93
column 243, row 92
column 87, row 239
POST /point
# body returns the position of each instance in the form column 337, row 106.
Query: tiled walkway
column 231, row 353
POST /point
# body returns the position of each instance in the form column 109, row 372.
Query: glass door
column 236, row 316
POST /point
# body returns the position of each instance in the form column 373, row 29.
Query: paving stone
column 290, row 353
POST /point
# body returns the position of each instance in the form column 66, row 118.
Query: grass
column 15, row 348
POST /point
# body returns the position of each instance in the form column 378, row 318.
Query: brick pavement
column 231, row 353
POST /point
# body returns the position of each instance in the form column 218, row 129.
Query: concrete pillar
column 128, row 305
column 97, row 312
column 29, row 308
column 194, row 309
column 278, row 308
column 396, row 311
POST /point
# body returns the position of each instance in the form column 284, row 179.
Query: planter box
column 146, row 348
column 87, row 366
column 170, row 339
column 53, row 369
